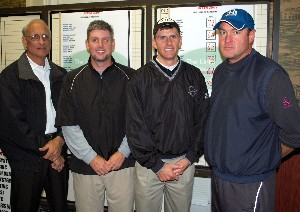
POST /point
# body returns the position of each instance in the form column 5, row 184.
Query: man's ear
column 24, row 42
column 154, row 43
column 252, row 36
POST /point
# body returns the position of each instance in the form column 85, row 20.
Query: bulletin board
column 69, row 35
column 200, row 41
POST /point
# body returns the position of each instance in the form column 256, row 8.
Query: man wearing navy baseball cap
column 254, row 120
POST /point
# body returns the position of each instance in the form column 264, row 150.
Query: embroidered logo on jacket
column 286, row 103
column 192, row 91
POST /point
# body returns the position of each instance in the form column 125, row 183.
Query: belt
column 50, row 136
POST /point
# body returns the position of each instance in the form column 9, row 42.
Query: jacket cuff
column 190, row 155
column 40, row 143
column 158, row 166
column 60, row 133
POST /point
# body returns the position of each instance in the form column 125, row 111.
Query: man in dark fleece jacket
column 254, row 120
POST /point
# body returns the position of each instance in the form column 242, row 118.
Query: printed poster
column 199, row 40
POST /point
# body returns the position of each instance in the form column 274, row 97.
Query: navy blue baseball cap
column 165, row 22
column 237, row 18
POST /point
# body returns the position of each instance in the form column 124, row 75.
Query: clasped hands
column 53, row 148
column 173, row 171
column 102, row 166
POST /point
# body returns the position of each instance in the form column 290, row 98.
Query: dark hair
column 249, row 30
column 168, row 27
column 99, row 25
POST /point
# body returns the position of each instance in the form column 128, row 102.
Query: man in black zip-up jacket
column 167, row 110
column 254, row 120
column 29, row 91
column 92, row 115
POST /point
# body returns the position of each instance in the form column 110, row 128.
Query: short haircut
column 99, row 25
column 25, row 28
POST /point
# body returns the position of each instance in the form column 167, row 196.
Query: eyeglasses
column 37, row 37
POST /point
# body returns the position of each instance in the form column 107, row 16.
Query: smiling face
column 235, row 44
column 100, row 45
column 167, row 41
column 37, row 49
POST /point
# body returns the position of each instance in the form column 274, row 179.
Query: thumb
column 44, row 148
column 178, row 165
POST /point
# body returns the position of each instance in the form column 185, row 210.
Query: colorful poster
column 73, row 33
column 200, row 41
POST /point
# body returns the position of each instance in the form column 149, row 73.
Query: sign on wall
column 4, row 184
column 199, row 40
column 70, row 32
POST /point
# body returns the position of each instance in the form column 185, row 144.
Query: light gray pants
column 118, row 186
column 150, row 191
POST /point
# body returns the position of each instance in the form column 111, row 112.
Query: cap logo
column 231, row 13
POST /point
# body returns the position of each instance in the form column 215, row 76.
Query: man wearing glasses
column 34, row 147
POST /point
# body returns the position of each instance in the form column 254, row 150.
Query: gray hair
column 25, row 29
column 100, row 25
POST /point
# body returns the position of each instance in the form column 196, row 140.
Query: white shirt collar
column 170, row 68
column 36, row 67
column 43, row 74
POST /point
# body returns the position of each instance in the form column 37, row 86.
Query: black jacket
column 166, row 115
column 23, row 112
column 96, row 103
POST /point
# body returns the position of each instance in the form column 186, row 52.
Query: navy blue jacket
column 242, row 140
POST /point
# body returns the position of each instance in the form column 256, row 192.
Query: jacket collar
column 26, row 72
column 107, row 70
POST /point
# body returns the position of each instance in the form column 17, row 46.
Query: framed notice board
column 69, row 35
column 199, row 40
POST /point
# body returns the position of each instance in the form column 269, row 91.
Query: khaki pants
column 118, row 186
column 150, row 191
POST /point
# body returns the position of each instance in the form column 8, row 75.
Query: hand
column 167, row 172
column 100, row 165
column 53, row 148
column 285, row 150
column 116, row 160
column 184, row 164
column 58, row 164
